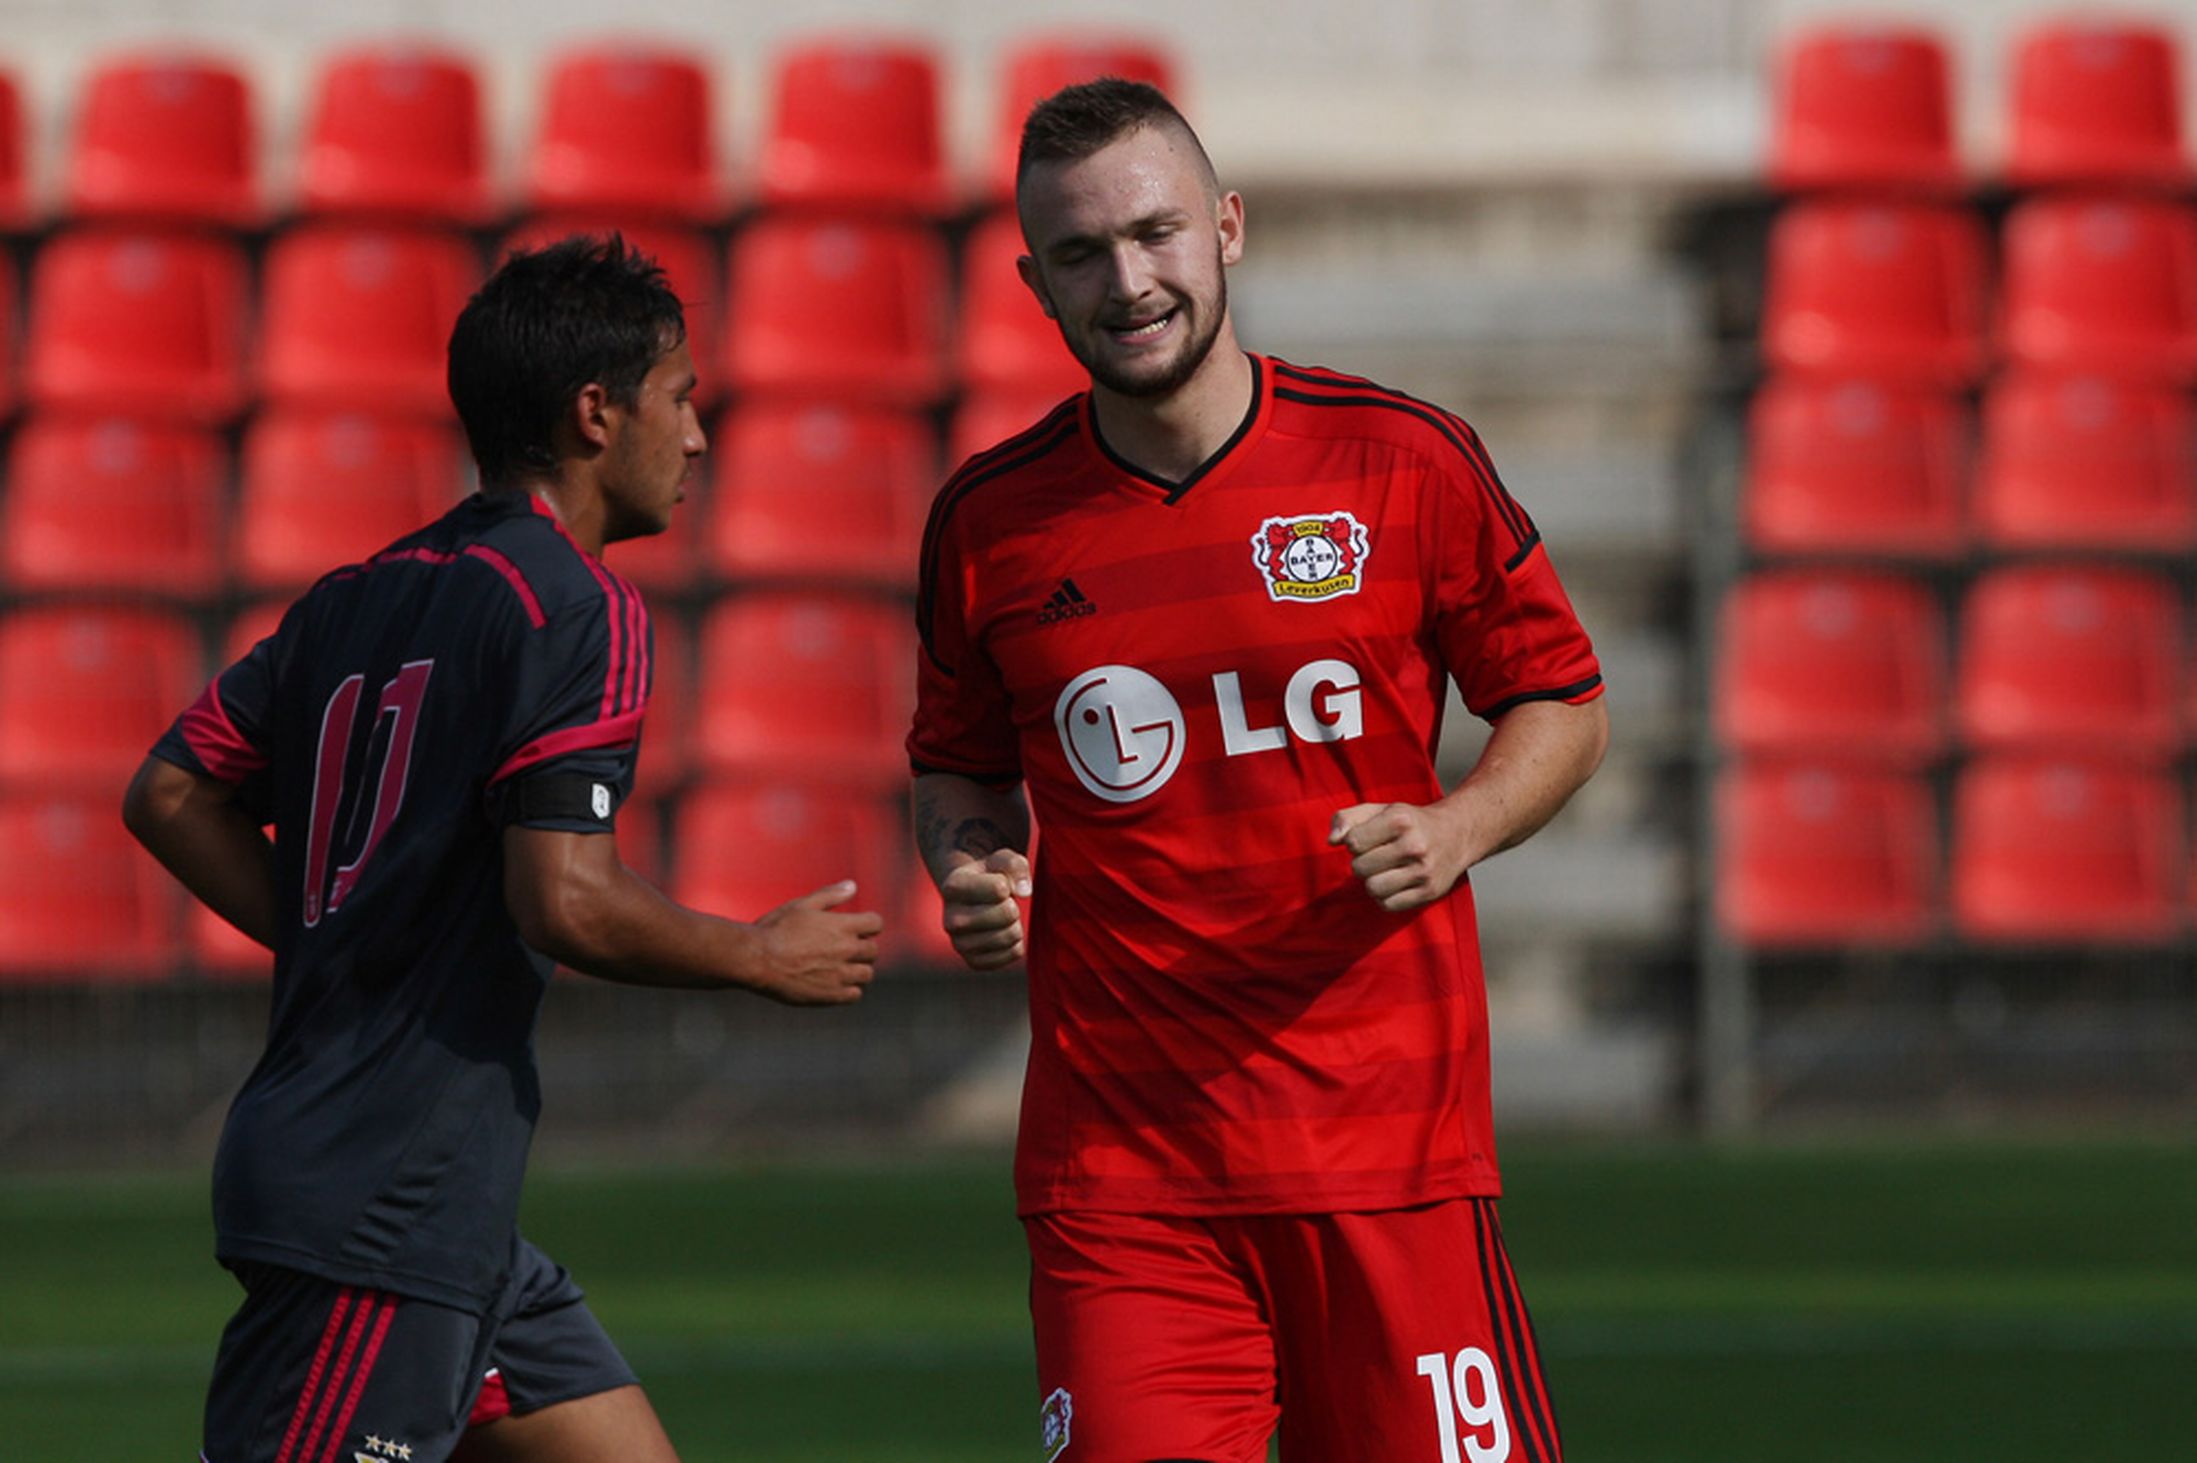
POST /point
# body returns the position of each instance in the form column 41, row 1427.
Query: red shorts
column 1388, row 1337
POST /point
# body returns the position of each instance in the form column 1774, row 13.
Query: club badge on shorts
column 1311, row 556
column 1059, row 1410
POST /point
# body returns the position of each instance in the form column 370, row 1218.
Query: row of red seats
column 1853, row 663
column 1903, row 291
column 401, row 131
column 78, row 900
column 1854, row 466
column 2092, row 99
column 2044, row 849
column 359, row 316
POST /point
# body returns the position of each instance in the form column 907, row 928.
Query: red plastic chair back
column 2086, row 462
column 987, row 418
column 2054, row 850
column 10, row 337
column 832, row 309
column 821, row 493
column 689, row 263
column 1831, row 663
column 397, row 132
column 1038, row 66
column 1864, row 107
column 1855, row 467
column 2102, row 285
column 166, row 137
column 1820, row 855
column 743, row 848
column 808, row 685
column 12, row 201
column 113, row 504
column 358, row 317
column 856, row 125
column 147, row 323
column 1888, row 290
column 1007, row 342
column 79, row 900
column 2097, row 101
column 2072, row 659
column 321, row 489
column 627, row 131
column 85, row 690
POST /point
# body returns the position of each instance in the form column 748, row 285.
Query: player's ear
column 1027, row 268
column 589, row 414
column 1228, row 219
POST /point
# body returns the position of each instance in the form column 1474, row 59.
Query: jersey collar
column 1253, row 423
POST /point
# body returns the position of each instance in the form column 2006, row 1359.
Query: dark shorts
column 312, row 1371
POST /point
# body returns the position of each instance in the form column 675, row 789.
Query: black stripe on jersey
column 1561, row 693
column 1521, row 1426
column 1175, row 490
column 1529, row 1345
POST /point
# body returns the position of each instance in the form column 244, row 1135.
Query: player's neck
column 1171, row 436
column 575, row 503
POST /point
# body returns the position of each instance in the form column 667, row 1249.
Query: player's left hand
column 1408, row 856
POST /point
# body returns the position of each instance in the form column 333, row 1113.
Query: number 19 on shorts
column 1465, row 1391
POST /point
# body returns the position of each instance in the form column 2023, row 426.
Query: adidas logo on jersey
column 1067, row 603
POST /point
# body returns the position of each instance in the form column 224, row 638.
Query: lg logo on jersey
column 1124, row 731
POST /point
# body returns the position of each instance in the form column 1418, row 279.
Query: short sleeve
column 964, row 723
column 1506, row 628
column 570, row 744
column 226, row 733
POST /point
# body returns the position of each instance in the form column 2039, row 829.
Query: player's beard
column 1205, row 328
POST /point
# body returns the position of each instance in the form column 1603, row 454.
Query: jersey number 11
column 335, row 780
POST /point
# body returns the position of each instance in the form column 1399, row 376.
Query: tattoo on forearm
column 979, row 836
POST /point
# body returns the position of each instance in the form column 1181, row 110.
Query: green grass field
column 2002, row 1302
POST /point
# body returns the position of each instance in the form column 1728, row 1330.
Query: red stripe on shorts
column 342, row 1428
column 361, row 1316
column 313, row 1377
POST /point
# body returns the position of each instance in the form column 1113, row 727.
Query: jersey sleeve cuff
column 1577, row 693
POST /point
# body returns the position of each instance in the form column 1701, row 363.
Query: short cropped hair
column 548, row 322
column 1077, row 121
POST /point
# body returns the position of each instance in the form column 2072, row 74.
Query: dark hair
column 1077, row 121
column 548, row 322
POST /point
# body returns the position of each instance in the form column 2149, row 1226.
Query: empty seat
column 1855, row 467
column 113, row 504
column 10, row 333
column 148, row 323
column 12, row 200
column 327, row 488
column 165, row 137
column 1864, row 107
column 627, row 131
column 1879, row 289
column 2097, row 100
column 2086, row 462
column 855, row 124
column 2057, row 657
column 820, row 492
column 2102, row 285
column 741, row 850
column 358, row 317
column 2055, row 850
column 79, row 900
column 1006, row 339
column 396, row 131
column 1822, row 855
column 689, row 262
column 86, row 690
column 984, row 419
column 1039, row 65
column 1830, row 663
column 836, row 309
column 807, row 685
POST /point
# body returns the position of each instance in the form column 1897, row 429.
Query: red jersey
column 1191, row 679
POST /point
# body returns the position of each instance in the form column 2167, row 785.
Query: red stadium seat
column 148, row 323
column 1040, row 65
column 2053, row 850
column 396, row 132
column 358, row 317
column 85, row 690
column 667, row 740
column 2086, row 462
column 664, row 564
column 804, row 685
column 12, row 201
column 1855, row 467
column 689, row 263
column 132, row 507
column 1864, row 107
column 79, row 900
column 627, row 131
column 850, row 311
column 1831, row 663
column 166, row 137
column 324, row 488
column 2097, row 101
column 1889, row 290
column 9, row 336
column 2061, row 658
column 2102, row 285
column 1006, row 340
column 855, row 124
column 987, row 418
column 1817, row 855
column 741, row 849
column 821, row 493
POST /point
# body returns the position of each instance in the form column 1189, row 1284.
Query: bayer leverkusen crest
column 1311, row 556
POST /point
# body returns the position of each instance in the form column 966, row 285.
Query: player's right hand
column 813, row 953
column 982, row 918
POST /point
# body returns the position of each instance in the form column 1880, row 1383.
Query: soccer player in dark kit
column 1204, row 614
column 441, row 737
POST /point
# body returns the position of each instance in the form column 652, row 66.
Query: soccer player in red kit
column 1204, row 614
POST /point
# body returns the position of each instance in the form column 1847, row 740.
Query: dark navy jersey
column 482, row 672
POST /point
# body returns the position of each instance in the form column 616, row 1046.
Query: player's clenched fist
column 982, row 918
column 815, row 955
column 1407, row 856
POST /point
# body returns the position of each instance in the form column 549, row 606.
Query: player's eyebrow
column 1129, row 230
